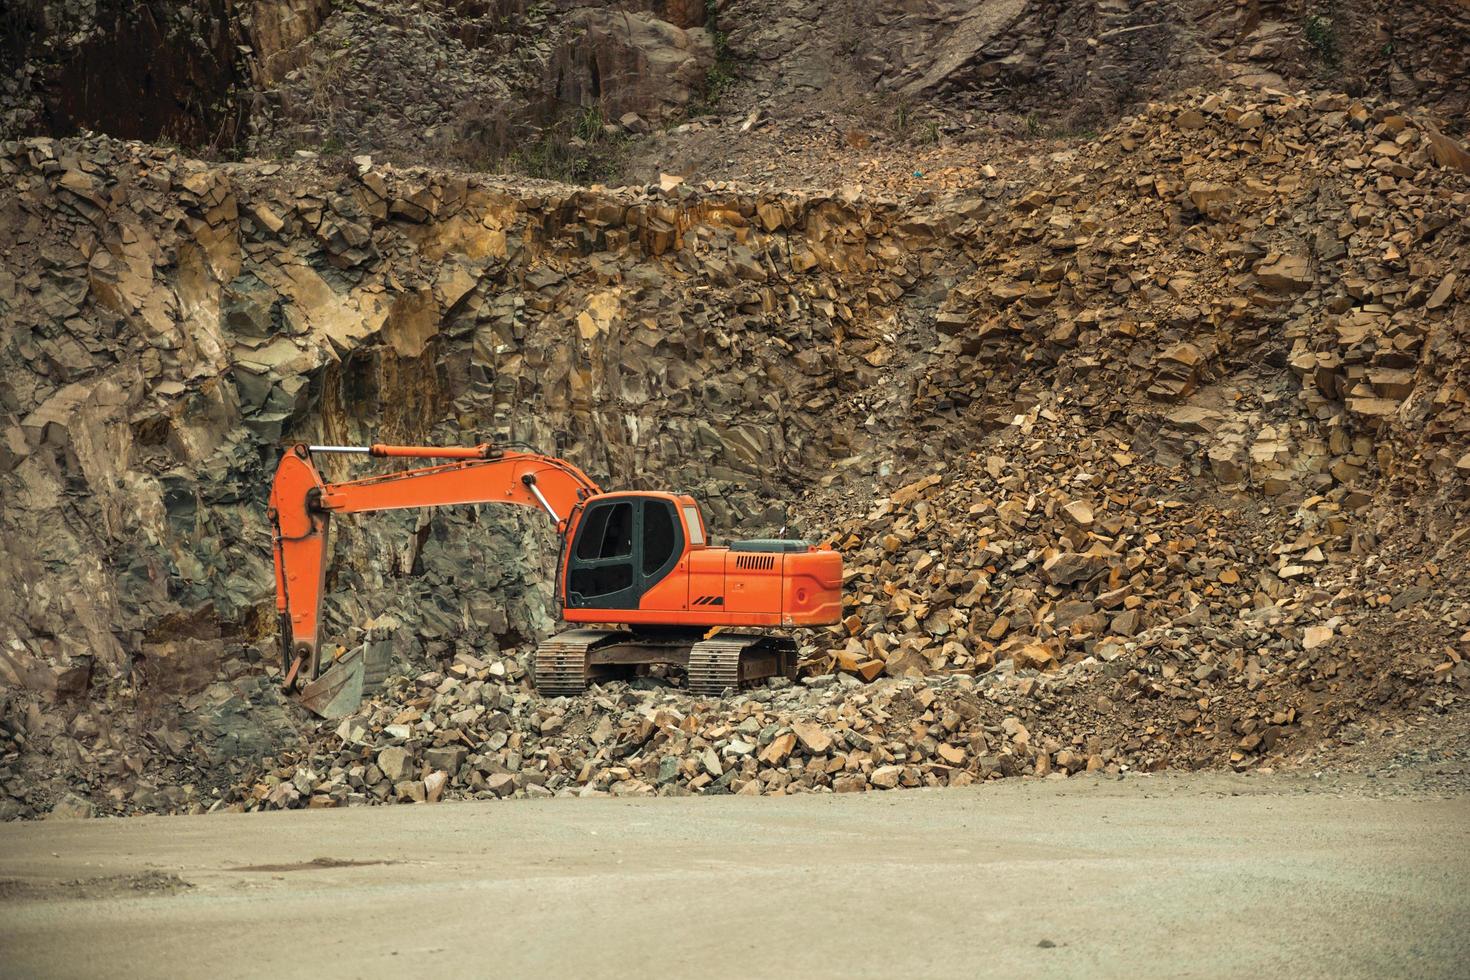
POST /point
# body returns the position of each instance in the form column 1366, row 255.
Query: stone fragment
column 1070, row 567
column 1190, row 119
column 886, row 777
column 813, row 738
column 1286, row 273
column 1035, row 656
column 1079, row 513
column 779, row 749
column 448, row 758
column 1316, row 636
column 1441, row 295
column 72, row 807
column 397, row 764
column 1208, row 198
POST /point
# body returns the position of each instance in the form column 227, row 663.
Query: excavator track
column 567, row 662
column 732, row 661
column 562, row 660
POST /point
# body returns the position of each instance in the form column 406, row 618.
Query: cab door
column 623, row 547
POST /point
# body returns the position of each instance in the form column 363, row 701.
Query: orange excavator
column 637, row 563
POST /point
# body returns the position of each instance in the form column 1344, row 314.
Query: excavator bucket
column 342, row 686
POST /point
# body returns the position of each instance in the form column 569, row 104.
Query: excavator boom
column 301, row 505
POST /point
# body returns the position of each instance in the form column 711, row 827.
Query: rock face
column 279, row 33
column 417, row 78
column 625, row 62
column 1100, row 445
column 1085, row 62
column 470, row 81
column 53, row 53
column 206, row 317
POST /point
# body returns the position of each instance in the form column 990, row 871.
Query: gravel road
column 1173, row 876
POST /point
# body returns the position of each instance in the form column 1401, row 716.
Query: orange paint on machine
column 639, row 559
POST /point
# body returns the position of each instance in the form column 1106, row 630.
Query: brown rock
column 1442, row 293
column 1286, row 274
column 1208, row 198
column 1315, row 636
column 1079, row 512
column 886, row 777
column 1035, row 656
column 951, row 754
column 813, row 738
column 779, row 749
column 396, row 764
column 72, row 807
column 1070, row 567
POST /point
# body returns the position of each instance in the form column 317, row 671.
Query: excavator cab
column 644, row 558
column 624, row 544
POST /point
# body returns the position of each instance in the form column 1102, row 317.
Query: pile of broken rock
column 471, row 731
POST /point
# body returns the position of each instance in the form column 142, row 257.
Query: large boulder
column 631, row 62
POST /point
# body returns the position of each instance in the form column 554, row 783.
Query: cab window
column 609, row 533
column 696, row 529
column 659, row 535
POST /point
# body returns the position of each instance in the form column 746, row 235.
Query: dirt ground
column 1145, row 876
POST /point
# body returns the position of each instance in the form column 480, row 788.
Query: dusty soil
column 1237, row 876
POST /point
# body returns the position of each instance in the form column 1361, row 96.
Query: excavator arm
column 301, row 505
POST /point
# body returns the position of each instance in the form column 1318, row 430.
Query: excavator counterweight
column 638, row 560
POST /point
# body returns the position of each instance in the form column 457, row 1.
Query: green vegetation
column 1321, row 35
column 721, row 75
column 574, row 148
column 589, row 123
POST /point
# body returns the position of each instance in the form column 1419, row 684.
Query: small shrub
column 721, row 75
column 1321, row 35
column 573, row 149
column 590, row 123
column 901, row 117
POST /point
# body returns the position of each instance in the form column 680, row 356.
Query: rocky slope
column 1148, row 450
column 571, row 87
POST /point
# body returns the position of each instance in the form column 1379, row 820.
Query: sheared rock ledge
column 1150, row 453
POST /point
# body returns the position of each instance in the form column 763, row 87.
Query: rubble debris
column 1106, row 453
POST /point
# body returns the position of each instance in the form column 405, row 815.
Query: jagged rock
column 72, row 807
column 1286, row 273
column 396, row 763
column 1069, row 568
column 634, row 63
